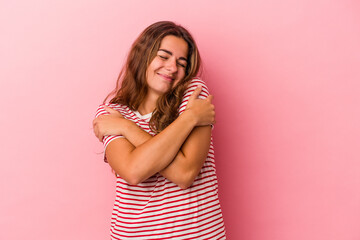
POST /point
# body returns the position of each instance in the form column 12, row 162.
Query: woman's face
column 169, row 65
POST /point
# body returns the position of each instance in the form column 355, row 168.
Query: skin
column 179, row 151
column 165, row 70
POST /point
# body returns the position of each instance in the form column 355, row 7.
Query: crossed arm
column 177, row 153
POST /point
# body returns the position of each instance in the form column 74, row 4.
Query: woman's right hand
column 202, row 109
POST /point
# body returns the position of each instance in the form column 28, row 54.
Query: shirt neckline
column 145, row 116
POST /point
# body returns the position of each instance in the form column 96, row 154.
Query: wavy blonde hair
column 131, row 86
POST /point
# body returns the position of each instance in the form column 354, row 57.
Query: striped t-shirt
column 158, row 208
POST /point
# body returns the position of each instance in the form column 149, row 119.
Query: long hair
column 132, row 77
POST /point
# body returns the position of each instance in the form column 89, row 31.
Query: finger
column 96, row 132
column 110, row 110
column 210, row 98
column 196, row 93
column 95, row 121
column 101, row 137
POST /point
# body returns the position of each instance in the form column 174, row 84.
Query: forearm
column 188, row 162
column 137, row 136
column 152, row 154
column 185, row 166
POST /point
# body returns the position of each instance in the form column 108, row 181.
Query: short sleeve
column 191, row 88
column 195, row 82
column 107, row 139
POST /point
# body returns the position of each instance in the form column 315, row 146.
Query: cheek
column 182, row 73
column 147, row 75
column 180, row 77
column 155, row 64
column 151, row 67
column 150, row 71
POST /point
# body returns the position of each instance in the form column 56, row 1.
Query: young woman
column 157, row 136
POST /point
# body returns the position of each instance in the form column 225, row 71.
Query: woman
column 157, row 136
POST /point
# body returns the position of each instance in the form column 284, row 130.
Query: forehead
column 176, row 45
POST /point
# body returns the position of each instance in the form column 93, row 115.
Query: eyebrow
column 170, row 53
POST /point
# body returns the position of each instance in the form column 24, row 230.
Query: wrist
column 190, row 116
column 126, row 126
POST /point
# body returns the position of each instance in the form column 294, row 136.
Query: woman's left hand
column 112, row 124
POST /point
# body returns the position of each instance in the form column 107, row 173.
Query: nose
column 171, row 65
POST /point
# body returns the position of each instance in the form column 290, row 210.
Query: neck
column 148, row 105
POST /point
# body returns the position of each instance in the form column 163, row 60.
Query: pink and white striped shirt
column 158, row 208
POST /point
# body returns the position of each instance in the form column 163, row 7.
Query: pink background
column 285, row 75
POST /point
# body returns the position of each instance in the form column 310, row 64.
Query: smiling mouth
column 166, row 77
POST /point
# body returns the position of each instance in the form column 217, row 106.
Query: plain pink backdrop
column 285, row 75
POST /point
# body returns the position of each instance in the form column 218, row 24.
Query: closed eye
column 163, row 57
column 181, row 65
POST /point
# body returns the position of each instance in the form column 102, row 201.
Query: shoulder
column 119, row 107
column 194, row 83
